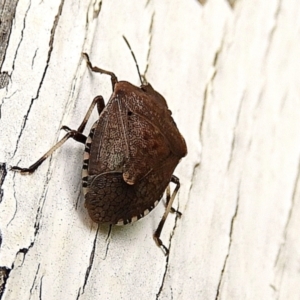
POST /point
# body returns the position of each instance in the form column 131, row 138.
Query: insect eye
column 129, row 113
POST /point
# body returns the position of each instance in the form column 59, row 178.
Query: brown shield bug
column 130, row 154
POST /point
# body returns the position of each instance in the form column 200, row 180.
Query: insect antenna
column 137, row 66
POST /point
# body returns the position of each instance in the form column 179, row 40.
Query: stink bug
column 130, row 154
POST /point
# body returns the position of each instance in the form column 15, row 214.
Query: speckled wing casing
column 130, row 155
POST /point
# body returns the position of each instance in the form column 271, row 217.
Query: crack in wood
column 167, row 258
column 51, row 41
column 237, row 119
column 147, row 3
column 4, row 271
column 77, row 202
column 33, row 58
column 42, row 200
column 230, row 241
column 285, row 231
column 164, row 277
column 15, row 198
column 3, row 101
column 274, row 28
column 107, row 240
column 7, row 15
column 208, row 86
column 78, row 294
column 106, row 249
column 41, row 287
column 92, row 255
column 21, row 39
column 35, row 277
column 202, row 2
column 232, row 3
column 97, row 9
column 94, row 9
column 23, row 251
column 196, row 166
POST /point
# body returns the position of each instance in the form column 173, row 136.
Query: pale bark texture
column 229, row 71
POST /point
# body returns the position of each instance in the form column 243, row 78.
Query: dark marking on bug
column 130, row 154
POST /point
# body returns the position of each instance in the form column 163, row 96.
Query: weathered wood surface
column 230, row 73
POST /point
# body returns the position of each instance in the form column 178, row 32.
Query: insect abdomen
column 111, row 200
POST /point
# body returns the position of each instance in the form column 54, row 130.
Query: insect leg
column 75, row 134
column 99, row 101
column 158, row 231
column 71, row 134
column 168, row 192
column 113, row 77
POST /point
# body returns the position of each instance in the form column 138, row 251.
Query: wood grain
column 230, row 76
